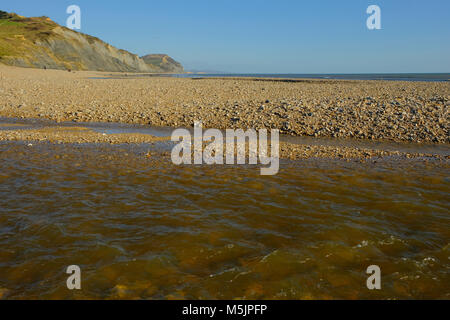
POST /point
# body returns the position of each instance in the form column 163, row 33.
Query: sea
column 360, row 76
column 140, row 227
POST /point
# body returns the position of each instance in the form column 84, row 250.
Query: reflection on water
column 117, row 128
column 142, row 228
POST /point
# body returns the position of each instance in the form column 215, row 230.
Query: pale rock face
column 164, row 62
column 62, row 48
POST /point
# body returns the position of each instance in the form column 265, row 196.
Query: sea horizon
column 429, row 77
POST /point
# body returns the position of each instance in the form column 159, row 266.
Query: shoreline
column 334, row 204
column 68, row 133
column 361, row 110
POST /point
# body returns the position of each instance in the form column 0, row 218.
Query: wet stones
column 385, row 110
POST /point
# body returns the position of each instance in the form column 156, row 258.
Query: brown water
column 116, row 128
column 142, row 228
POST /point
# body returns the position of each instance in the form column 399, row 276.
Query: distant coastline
column 429, row 77
column 406, row 111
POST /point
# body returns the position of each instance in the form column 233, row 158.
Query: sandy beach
column 378, row 110
column 371, row 187
column 361, row 110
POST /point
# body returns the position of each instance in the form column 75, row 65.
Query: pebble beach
column 361, row 110
column 363, row 180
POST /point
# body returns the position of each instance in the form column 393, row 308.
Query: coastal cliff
column 39, row 42
column 164, row 62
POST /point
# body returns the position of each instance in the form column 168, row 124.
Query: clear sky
column 268, row 36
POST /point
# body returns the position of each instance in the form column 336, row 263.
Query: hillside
column 164, row 62
column 39, row 42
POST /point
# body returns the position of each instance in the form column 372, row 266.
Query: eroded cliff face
column 42, row 43
column 164, row 62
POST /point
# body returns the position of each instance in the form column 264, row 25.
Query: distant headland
column 39, row 42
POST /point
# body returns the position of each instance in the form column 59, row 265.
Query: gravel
column 376, row 110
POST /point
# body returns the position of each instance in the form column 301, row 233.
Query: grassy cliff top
column 31, row 42
column 16, row 30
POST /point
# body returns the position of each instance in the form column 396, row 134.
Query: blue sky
column 261, row 36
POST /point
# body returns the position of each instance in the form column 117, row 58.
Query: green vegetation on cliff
column 16, row 30
column 39, row 42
